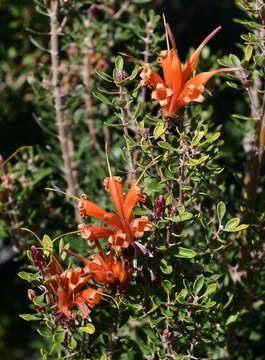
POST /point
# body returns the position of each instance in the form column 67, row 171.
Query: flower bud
column 159, row 207
column 120, row 75
column 38, row 260
column 145, row 133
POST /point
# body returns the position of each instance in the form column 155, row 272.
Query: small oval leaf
column 89, row 329
column 185, row 253
column 221, row 210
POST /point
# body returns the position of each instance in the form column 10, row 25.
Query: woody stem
column 88, row 100
column 257, row 161
column 114, row 334
column 53, row 15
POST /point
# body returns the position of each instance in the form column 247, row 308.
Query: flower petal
column 139, row 225
column 150, row 77
column 132, row 198
column 88, row 208
column 195, row 86
column 114, row 185
column 192, row 62
column 90, row 296
column 91, row 233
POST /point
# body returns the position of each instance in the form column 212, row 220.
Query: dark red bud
column 120, row 75
column 145, row 133
column 38, row 260
column 159, row 207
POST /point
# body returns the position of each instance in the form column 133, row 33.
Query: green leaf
column 28, row 276
column 59, row 336
column 230, row 298
column 119, row 63
column 166, row 145
column 194, row 162
column 40, row 175
column 211, row 288
column 232, row 318
column 233, row 85
column 159, row 129
column 181, row 217
column 240, row 227
column 221, row 210
column 165, row 267
column 102, row 98
column 167, row 286
column 104, row 76
column 47, row 245
column 89, row 329
column 231, row 224
column 213, row 137
column 248, row 52
column 104, row 357
column 234, row 60
column 198, row 284
column 242, row 117
column 185, row 253
column 39, row 300
column 197, row 138
column 30, row 317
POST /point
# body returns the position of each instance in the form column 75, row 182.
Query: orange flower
column 107, row 270
column 176, row 91
column 123, row 228
column 66, row 284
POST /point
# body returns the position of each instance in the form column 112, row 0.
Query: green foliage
column 196, row 290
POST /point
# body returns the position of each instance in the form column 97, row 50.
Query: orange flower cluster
column 123, row 228
column 176, row 91
column 111, row 269
column 66, row 284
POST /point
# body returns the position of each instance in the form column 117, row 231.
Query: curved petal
column 113, row 220
column 88, row 208
column 192, row 62
column 91, row 233
column 114, row 185
column 132, row 198
column 194, row 87
column 150, row 77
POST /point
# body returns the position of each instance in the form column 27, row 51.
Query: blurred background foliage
column 22, row 112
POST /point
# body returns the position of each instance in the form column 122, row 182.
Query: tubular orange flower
column 176, row 91
column 106, row 269
column 66, row 284
column 123, row 228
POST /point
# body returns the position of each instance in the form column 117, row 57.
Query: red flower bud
column 38, row 260
column 159, row 207
column 120, row 75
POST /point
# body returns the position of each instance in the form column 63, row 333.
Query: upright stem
column 53, row 14
column 257, row 161
column 147, row 40
column 87, row 83
column 114, row 334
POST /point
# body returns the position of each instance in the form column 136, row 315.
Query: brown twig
column 88, row 100
column 114, row 334
column 53, row 15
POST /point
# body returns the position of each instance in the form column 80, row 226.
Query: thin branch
column 53, row 14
